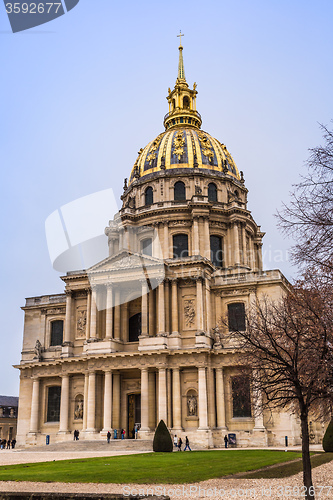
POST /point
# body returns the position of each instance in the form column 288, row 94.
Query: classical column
column 109, row 312
column 107, row 421
column 245, row 257
column 64, row 404
column 93, row 313
column 120, row 240
column 91, row 410
column 152, row 400
column 166, row 252
column 176, row 400
column 167, row 306
column 174, row 308
column 144, row 308
column 124, row 321
column 211, row 397
column 208, row 307
column 117, row 316
column 236, row 260
column 88, row 314
column 220, row 403
column 196, row 247
column 151, row 322
column 85, row 400
column 162, row 396
column 252, row 255
column 200, row 316
column 144, row 400
column 259, row 253
column 202, row 386
column 67, row 335
column 116, row 401
column 206, row 239
column 161, row 310
column 34, row 405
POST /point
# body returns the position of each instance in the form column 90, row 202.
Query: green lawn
column 151, row 468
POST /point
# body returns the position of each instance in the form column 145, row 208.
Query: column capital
column 69, row 293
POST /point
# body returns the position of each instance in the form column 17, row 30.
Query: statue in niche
column 192, row 406
column 198, row 190
column 189, row 313
column 81, row 322
column 78, row 412
column 217, row 337
column 38, row 350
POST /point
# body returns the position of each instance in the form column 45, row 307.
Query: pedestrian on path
column 108, row 436
column 187, row 444
column 226, row 441
column 180, row 442
column 175, row 441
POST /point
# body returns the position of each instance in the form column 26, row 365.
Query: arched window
column 236, row 317
column 173, row 104
column 149, row 197
column 186, row 102
column 134, row 327
column 53, row 403
column 57, row 329
column 212, row 192
column 241, row 399
column 146, row 246
column 180, row 191
column 180, row 246
column 216, row 251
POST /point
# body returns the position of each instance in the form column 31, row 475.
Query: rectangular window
column 147, row 247
column 57, row 328
column 241, row 399
column 216, row 253
column 53, row 404
column 236, row 317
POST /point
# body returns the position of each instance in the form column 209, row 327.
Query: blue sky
column 81, row 95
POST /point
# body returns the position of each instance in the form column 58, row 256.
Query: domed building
column 139, row 337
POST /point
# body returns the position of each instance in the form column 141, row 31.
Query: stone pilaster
column 117, row 316
column 144, row 308
column 93, row 313
column 166, row 252
column 206, row 238
column 220, row 402
column 124, row 321
column 202, row 385
column 107, row 417
column 151, row 323
column 85, row 401
column 162, row 395
column 34, row 427
column 176, row 400
column 200, row 316
column 236, row 259
column 174, row 308
column 144, row 400
column 161, row 310
column 195, row 235
column 64, row 405
column 109, row 312
column 116, row 401
column 91, row 410
column 88, row 314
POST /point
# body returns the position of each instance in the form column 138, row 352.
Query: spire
column 181, row 70
column 182, row 100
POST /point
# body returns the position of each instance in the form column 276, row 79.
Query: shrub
column 162, row 439
column 328, row 437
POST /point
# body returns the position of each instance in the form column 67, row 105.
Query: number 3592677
column 33, row 8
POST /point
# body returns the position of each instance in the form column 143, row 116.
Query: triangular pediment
column 125, row 260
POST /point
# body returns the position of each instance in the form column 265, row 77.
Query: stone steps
column 96, row 445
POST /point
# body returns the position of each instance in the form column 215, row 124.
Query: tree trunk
column 307, row 474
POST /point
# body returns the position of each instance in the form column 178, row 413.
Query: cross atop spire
column 180, row 36
column 181, row 70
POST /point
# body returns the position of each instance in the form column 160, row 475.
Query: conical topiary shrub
column 162, row 439
column 328, row 437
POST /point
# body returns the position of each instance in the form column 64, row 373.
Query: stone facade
column 139, row 337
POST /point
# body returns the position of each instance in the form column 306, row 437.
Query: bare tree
column 309, row 215
column 288, row 347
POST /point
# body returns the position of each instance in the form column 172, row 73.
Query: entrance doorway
column 134, row 413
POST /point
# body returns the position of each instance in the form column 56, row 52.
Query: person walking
column 108, row 436
column 8, row 444
column 187, row 444
column 123, row 433
column 13, row 443
column 180, row 442
column 175, row 441
column 226, row 441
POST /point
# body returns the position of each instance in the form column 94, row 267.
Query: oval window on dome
column 149, row 197
column 212, row 192
column 179, row 191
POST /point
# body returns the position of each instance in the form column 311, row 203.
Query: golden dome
column 183, row 145
column 184, row 148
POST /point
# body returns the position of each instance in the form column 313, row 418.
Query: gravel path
column 286, row 489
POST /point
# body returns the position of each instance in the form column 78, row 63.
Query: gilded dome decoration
column 183, row 144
